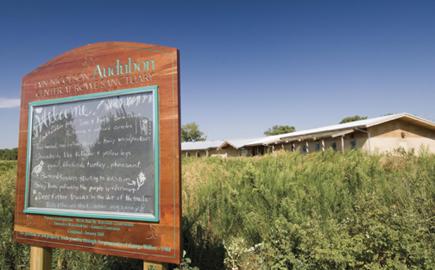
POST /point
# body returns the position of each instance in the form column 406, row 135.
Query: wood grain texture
column 73, row 73
column 40, row 258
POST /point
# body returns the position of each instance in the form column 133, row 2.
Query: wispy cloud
column 9, row 102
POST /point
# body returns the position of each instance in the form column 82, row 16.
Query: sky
column 245, row 65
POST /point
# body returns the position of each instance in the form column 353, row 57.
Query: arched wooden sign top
column 99, row 152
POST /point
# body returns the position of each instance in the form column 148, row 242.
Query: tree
column 190, row 133
column 279, row 129
column 8, row 154
column 352, row 118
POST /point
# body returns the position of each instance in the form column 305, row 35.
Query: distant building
column 201, row 148
column 243, row 147
column 375, row 135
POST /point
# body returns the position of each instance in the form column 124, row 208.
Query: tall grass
column 12, row 255
column 285, row 211
column 317, row 211
column 16, row 256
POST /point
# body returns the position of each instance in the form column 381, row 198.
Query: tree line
column 9, row 154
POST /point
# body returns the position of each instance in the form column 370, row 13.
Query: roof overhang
column 318, row 136
column 408, row 118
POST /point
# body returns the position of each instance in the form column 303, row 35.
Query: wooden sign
column 99, row 152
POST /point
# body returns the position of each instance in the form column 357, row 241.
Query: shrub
column 283, row 211
column 12, row 255
column 317, row 211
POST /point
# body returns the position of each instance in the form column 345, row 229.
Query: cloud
column 9, row 102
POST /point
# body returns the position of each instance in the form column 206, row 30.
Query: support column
column 40, row 258
column 342, row 144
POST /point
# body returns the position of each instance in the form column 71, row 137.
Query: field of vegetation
column 284, row 211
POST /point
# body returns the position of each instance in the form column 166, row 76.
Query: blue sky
column 245, row 65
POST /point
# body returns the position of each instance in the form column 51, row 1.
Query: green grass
column 285, row 211
column 317, row 211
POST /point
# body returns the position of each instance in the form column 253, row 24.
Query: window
column 318, row 146
column 334, row 146
column 353, row 143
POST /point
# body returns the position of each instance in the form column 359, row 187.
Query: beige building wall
column 400, row 134
column 386, row 137
column 354, row 140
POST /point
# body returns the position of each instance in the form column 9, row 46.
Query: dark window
column 334, row 146
column 353, row 143
column 317, row 146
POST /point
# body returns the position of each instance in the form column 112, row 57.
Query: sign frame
column 97, row 214
column 90, row 71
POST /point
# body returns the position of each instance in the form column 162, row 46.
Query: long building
column 375, row 135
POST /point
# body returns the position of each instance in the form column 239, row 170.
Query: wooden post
column 342, row 144
column 154, row 266
column 40, row 258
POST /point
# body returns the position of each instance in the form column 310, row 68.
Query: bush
column 318, row 211
column 12, row 255
column 16, row 256
column 284, row 211
column 9, row 154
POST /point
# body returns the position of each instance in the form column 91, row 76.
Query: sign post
column 40, row 258
column 99, row 154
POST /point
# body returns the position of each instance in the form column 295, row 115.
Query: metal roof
column 239, row 143
column 201, row 145
column 316, row 136
column 235, row 143
column 359, row 124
